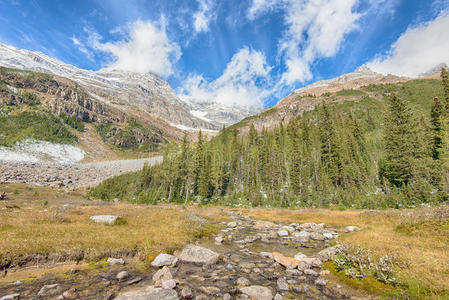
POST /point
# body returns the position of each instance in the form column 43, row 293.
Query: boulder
column 105, row 219
column 198, row 255
column 150, row 293
column 257, row 292
column 164, row 260
column 288, row 262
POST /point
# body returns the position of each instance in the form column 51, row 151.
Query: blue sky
column 250, row 52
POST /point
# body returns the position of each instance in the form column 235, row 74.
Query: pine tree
column 436, row 120
column 445, row 79
column 398, row 135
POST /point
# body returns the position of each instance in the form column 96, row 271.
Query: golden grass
column 419, row 238
column 42, row 221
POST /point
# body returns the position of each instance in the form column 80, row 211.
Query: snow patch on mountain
column 37, row 151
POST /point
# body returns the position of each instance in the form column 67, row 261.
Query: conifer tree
column 436, row 121
column 398, row 135
column 445, row 79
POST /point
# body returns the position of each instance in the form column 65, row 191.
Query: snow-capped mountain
column 121, row 89
column 362, row 72
column 218, row 113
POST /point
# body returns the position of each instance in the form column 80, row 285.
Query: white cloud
column 82, row 48
column 203, row 17
column 239, row 84
column 315, row 29
column 146, row 48
column 418, row 50
column 259, row 7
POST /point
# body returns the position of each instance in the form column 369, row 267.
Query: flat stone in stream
column 198, row 255
column 150, row 293
column 257, row 292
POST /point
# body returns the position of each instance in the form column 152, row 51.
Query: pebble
column 283, row 232
column 49, row 290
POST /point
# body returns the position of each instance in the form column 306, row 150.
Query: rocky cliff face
column 128, row 92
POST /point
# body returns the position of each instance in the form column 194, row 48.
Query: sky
column 244, row 52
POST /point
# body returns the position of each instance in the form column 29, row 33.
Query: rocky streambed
column 247, row 260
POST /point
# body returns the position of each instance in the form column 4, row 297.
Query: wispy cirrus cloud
column 204, row 16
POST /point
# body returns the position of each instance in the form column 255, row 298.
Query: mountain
column 342, row 88
column 126, row 91
column 217, row 112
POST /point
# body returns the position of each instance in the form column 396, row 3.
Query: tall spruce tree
column 398, row 136
column 436, row 115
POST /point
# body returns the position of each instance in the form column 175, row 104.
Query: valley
column 313, row 198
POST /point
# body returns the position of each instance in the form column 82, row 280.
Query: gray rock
column 162, row 274
column 317, row 236
column 283, row 232
column 209, row 290
column 242, row 281
column 282, row 285
column 328, row 253
column 219, row 239
column 328, row 235
column 227, row 296
column 70, row 294
column 10, row 297
column 278, row 297
column 198, row 255
column 300, row 256
column 310, row 272
column 168, row 284
column 257, row 292
column 49, row 290
column 115, row 261
column 186, row 293
column 150, row 293
column 164, row 260
column 321, row 281
column 105, row 219
column 122, row 275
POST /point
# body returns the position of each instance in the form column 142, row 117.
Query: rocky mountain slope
column 342, row 88
column 128, row 92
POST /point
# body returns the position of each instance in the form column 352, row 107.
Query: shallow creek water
column 241, row 264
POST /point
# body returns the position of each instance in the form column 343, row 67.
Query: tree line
column 327, row 157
